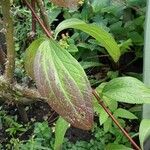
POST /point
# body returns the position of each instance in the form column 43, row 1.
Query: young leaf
column 144, row 131
column 30, row 55
column 96, row 32
column 60, row 130
column 61, row 79
column 123, row 113
column 128, row 90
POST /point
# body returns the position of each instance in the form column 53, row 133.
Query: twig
column 18, row 94
column 33, row 18
column 43, row 14
column 8, row 24
column 114, row 120
column 48, row 33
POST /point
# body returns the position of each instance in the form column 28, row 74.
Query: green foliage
column 117, row 147
column 103, row 37
column 123, row 113
column 60, row 130
column 127, row 89
column 58, row 75
column 144, row 131
column 13, row 128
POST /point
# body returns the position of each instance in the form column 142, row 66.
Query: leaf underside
column 61, row 79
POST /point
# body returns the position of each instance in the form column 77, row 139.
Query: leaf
column 122, row 113
column 72, row 48
column 103, row 37
column 66, row 3
column 60, row 130
column 30, row 55
column 125, row 46
column 103, row 116
column 113, row 146
column 136, row 38
column 61, row 79
column 89, row 64
column 97, row 5
column 144, row 131
column 128, row 90
column 107, row 125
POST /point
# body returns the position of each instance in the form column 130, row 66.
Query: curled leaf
column 61, row 79
column 103, row 37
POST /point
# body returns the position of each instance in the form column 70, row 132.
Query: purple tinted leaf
column 61, row 79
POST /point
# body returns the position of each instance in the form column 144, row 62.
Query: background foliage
column 124, row 19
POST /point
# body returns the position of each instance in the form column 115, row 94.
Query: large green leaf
column 144, row 132
column 61, row 79
column 60, row 130
column 30, row 55
column 97, row 32
column 128, row 90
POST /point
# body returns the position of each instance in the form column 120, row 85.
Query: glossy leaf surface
column 61, row 79
column 103, row 37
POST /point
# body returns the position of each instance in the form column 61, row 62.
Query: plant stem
column 18, row 94
column 48, row 33
column 115, row 120
column 33, row 18
column 8, row 24
column 43, row 14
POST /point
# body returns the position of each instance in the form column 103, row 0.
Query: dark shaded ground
column 39, row 112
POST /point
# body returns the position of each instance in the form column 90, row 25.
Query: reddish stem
column 115, row 120
column 48, row 33
column 33, row 18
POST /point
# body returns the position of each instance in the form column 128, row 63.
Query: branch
column 8, row 25
column 33, row 19
column 43, row 14
column 18, row 94
column 48, row 33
